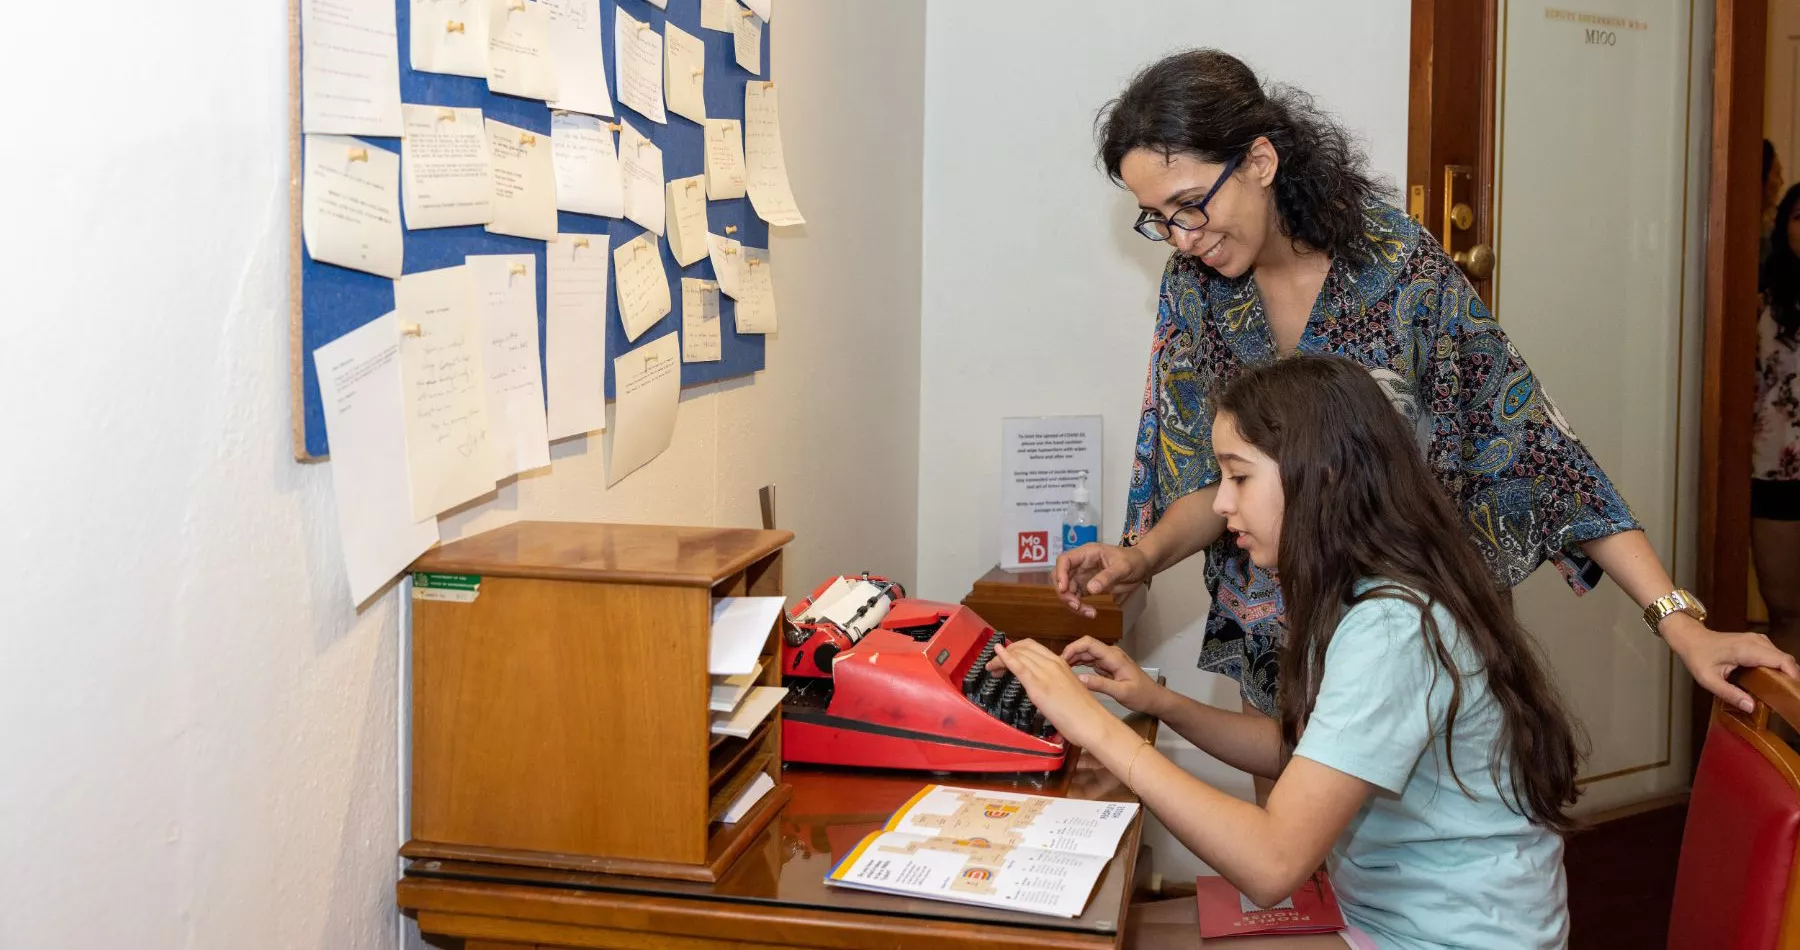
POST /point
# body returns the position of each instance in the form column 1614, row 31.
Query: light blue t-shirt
column 1423, row 864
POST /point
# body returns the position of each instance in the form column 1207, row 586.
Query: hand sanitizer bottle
column 1080, row 523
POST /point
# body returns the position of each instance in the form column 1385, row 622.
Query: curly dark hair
column 1780, row 278
column 1210, row 105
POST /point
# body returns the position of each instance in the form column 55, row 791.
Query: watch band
column 1678, row 600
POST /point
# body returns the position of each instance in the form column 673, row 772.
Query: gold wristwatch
column 1675, row 601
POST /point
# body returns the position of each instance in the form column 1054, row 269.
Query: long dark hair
column 1781, row 271
column 1361, row 504
column 1208, row 104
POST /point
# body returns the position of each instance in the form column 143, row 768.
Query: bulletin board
column 329, row 301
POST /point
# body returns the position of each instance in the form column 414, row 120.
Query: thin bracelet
column 1130, row 766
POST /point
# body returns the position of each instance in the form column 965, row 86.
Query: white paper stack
column 750, row 713
column 729, row 691
column 741, row 627
column 747, row 799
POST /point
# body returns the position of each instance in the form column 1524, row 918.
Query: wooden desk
column 774, row 896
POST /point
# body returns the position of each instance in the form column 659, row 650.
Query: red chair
column 1738, row 884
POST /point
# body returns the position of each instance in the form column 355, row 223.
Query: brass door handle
column 1477, row 262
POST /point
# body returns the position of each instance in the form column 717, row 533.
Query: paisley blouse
column 1528, row 489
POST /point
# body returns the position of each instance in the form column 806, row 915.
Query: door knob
column 1477, row 261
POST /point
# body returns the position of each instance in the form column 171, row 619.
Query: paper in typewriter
column 997, row 849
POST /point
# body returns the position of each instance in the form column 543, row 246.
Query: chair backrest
column 1738, row 884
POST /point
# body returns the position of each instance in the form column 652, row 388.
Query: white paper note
column 724, row 159
column 350, row 67
column 685, row 72
column 524, row 182
column 588, row 179
column 641, row 165
column 578, row 57
column 717, row 14
column 649, row 392
column 766, row 175
column 449, row 171
column 643, row 288
column 447, row 452
column 700, row 342
column 638, row 51
column 576, row 268
column 728, row 263
column 686, row 213
column 660, row 4
column 740, row 806
column 350, row 213
column 519, row 49
column 727, row 691
column 749, row 714
column 506, row 287
column 747, row 33
column 756, row 302
column 741, row 627
column 762, row 8
column 449, row 36
column 365, row 419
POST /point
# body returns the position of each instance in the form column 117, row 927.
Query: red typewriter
column 879, row 680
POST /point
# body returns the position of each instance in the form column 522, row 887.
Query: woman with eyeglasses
column 1283, row 245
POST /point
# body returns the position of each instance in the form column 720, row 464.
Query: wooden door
column 1618, row 68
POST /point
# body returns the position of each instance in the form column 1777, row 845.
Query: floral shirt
column 1777, row 435
column 1528, row 489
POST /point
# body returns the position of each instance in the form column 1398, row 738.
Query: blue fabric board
column 336, row 300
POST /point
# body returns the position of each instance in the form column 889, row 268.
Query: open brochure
column 998, row 849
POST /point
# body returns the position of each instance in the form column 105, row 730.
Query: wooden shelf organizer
column 560, row 717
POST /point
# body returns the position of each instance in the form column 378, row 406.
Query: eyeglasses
column 1189, row 217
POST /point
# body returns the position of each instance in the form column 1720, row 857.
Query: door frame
column 1451, row 120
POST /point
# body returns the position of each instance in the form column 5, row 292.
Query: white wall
column 199, row 730
column 1038, row 298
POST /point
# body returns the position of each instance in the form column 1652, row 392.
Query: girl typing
column 1420, row 751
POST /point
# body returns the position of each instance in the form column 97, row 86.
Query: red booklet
column 1224, row 912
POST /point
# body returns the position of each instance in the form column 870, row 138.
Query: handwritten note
column 576, row 266
column 447, row 451
column 449, row 36
column 350, row 213
column 588, row 179
column 649, row 391
column 506, row 288
column 766, row 177
column 684, row 56
column 350, row 67
column 747, row 41
column 700, row 341
column 577, row 55
column 524, row 182
column 449, row 176
column 519, row 49
column 641, row 164
column 756, row 299
column 724, row 159
column 687, row 219
column 638, row 51
column 643, row 288
column 365, row 418
column 717, row 15
column 728, row 263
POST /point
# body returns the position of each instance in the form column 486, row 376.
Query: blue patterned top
column 1527, row 488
